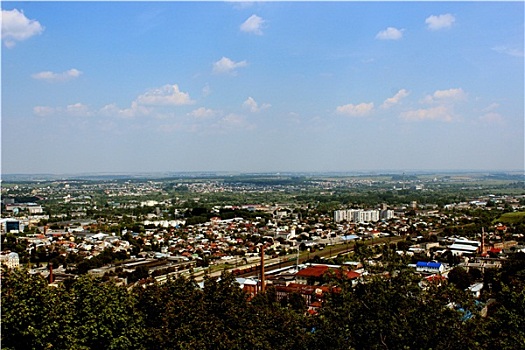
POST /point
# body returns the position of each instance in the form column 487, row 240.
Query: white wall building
column 11, row 260
column 356, row 215
column 386, row 214
column 430, row 267
column 464, row 246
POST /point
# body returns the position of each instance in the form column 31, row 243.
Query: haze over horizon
column 131, row 87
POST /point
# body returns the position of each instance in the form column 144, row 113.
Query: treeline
column 200, row 215
column 266, row 181
column 387, row 312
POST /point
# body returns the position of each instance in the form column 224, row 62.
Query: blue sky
column 262, row 87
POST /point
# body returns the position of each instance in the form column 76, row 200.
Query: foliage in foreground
column 386, row 312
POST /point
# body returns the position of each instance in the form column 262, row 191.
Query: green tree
column 505, row 325
column 26, row 305
column 140, row 272
column 274, row 326
column 104, row 315
column 459, row 277
column 171, row 314
column 392, row 313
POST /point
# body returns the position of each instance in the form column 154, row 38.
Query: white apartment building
column 356, row 215
column 386, row 214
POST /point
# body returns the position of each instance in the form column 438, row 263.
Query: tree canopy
column 384, row 311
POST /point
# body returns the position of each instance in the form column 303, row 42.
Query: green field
column 512, row 218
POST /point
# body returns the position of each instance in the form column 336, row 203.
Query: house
column 317, row 274
column 311, row 294
column 11, row 260
column 429, row 267
column 248, row 285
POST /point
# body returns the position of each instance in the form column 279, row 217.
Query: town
column 298, row 236
column 133, row 229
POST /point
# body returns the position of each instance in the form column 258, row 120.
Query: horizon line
column 266, row 172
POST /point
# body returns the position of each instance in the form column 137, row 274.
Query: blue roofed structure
column 349, row 237
column 429, row 266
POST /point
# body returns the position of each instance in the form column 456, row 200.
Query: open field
column 512, row 218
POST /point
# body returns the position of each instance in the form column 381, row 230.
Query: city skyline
column 115, row 87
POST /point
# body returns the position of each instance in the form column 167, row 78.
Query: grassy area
column 512, row 218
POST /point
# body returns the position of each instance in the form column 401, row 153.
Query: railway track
column 254, row 270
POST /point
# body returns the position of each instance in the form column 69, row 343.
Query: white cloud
column 450, row 94
column 443, row 101
column 73, row 110
column 17, row 27
column 206, row 90
column 226, row 65
column 203, row 113
column 440, row 21
column 43, row 111
column 446, row 96
column 253, row 25
column 492, row 117
column 208, row 121
column 509, row 51
column 235, row 121
column 440, row 113
column 241, row 5
column 143, row 105
column 394, row 100
column 135, row 110
column 253, row 106
column 491, row 107
column 167, row 95
column 56, row 77
column 78, row 110
column 361, row 109
column 109, row 110
column 390, row 33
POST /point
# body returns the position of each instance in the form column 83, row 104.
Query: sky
column 125, row 87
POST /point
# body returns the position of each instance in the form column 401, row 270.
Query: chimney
column 51, row 278
column 262, row 269
column 483, row 241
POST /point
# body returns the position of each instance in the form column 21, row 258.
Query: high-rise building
column 386, row 214
column 356, row 215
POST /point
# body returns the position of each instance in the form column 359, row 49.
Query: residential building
column 11, row 260
column 318, row 273
column 429, row 267
column 356, row 215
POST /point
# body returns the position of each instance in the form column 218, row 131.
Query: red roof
column 435, row 278
column 352, row 275
column 320, row 270
column 313, row 271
